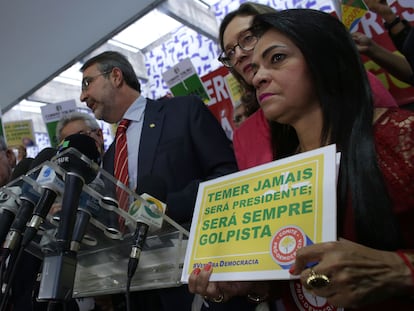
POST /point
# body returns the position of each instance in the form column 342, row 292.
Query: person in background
column 176, row 139
column 398, row 28
column 371, row 266
column 7, row 162
column 21, row 153
column 80, row 123
column 242, row 111
column 252, row 141
column 395, row 64
column 401, row 34
column 84, row 123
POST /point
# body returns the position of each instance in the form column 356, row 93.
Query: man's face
column 100, row 94
column 80, row 127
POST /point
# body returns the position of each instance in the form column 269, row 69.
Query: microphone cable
column 9, row 277
column 139, row 238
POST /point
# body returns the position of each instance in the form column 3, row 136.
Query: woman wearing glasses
column 252, row 140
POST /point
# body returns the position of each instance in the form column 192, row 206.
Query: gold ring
column 317, row 280
column 219, row 299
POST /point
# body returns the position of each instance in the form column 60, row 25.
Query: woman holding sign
column 308, row 75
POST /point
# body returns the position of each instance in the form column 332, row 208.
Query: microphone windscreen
column 72, row 163
column 153, row 185
column 84, row 144
column 45, row 155
column 21, row 168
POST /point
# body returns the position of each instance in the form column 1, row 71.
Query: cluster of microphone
column 25, row 206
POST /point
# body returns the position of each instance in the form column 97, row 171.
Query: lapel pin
column 152, row 125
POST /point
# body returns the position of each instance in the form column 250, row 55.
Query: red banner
column 373, row 26
column 220, row 104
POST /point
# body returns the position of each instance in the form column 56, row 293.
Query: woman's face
column 283, row 83
column 231, row 36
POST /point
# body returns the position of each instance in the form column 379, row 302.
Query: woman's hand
column 357, row 274
column 199, row 283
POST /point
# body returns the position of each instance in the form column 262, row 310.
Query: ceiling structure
column 44, row 42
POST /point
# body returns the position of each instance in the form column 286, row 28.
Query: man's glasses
column 246, row 42
column 88, row 80
column 87, row 132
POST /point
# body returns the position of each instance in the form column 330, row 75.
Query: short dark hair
column 111, row 59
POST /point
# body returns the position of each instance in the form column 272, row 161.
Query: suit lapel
column 150, row 136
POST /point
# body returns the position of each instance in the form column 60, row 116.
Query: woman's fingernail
column 196, row 271
column 292, row 269
column 207, row 267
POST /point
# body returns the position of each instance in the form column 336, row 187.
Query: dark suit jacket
column 183, row 143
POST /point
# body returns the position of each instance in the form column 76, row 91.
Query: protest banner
column 248, row 225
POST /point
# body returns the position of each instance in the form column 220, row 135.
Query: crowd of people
column 304, row 87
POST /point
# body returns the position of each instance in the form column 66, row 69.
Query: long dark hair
column 345, row 96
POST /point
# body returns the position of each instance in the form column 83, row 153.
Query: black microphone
column 79, row 157
column 28, row 199
column 9, row 197
column 52, row 186
column 9, row 202
column 153, row 189
column 81, row 168
column 89, row 206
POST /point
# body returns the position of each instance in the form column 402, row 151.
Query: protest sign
column 248, row 225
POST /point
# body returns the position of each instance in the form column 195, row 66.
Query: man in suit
column 177, row 139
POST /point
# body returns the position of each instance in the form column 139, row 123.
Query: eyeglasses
column 246, row 42
column 87, row 132
column 88, row 80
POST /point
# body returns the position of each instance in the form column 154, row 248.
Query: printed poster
column 19, row 133
column 249, row 225
column 52, row 113
column 182, row 79
column 352, row 11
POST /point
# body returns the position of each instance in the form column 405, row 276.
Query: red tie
column 121, row 164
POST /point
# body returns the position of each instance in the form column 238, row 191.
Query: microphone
column 152, row 189
column 9, row 202
column 9, row 198
column 88, row 206
column 52, row 186
column 28, row 198
column 80, row 169
column 79, row 157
